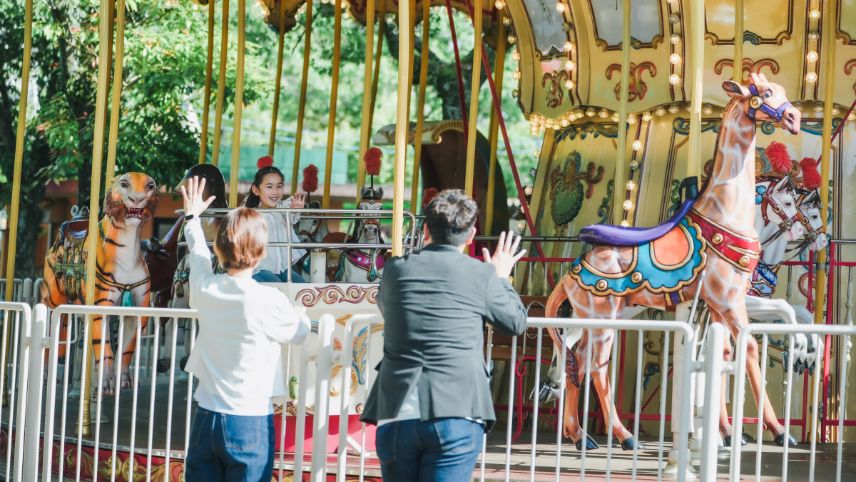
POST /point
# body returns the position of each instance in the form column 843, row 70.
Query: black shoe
column 780, row 440
column 744, row 440
column 630, row 443
column 590, row 444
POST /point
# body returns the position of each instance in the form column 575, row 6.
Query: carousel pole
column 401, row 123
column 301, row 103
column 234, row 170
column 828, row 76
column 209, row 67
column 493, row 130
column 469, row 176
column 334, row 96
column 696, row 70
column 737, row 75
column 618, row 211
column 115, row 108
column 381, row 28
column 368, row 98
column 221, row 83
column 279, row 50
column 14, row 211
column 420, row 105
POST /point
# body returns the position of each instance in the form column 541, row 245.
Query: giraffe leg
column 600, row 377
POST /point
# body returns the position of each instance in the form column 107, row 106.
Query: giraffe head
column 765, row 101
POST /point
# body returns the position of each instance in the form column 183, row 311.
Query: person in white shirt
column 267, row 192
column 236, row 358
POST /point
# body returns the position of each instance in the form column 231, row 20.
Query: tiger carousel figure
column 122, row 277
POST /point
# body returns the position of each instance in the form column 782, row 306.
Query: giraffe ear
column 733, row 89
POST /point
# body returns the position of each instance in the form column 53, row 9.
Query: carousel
column 694, row 163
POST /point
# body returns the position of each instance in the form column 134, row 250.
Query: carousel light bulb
column 569, row 46
column 811, row 56
column 569, row 84
column 637, row 145
column 660, row 112
column 603, row 114
column 852, row 116
column 627, row 204
column 673, row 108
column 631, row 185
column 814, row 14
column 675, row 59
column 674, row 79
column 673, row 1
column 516, row 75
column 674, row 18
column 707, row 110
column 811, row 77
column 615, row 117
column 625, row 223
column 589, row 112
column 835, row 111
column 560, row 7
column 512, row 39
column 813, row 36
column 646, row 116
column 506, row 21
column 499, row 4
column 564, row 122
column 634, row 165
column 631, row 119
column 516, row 55
column 569, row 65
column 675, row 39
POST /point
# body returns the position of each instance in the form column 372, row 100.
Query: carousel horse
column 358, row 265
column 310, row 230
column 122, row 277
column 660, row 267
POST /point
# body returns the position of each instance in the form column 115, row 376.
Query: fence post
column 322, row 397
column 713, row 366
column 31, row 396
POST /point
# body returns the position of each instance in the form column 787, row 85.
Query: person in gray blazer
column 431, row 399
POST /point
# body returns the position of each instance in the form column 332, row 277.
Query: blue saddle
column 612, row 235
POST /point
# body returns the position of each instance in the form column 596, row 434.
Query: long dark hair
column 252, row 200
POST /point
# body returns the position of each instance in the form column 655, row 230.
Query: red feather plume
column 779, row 158
column 810, row 174
column 372, row 160
column 310, row 179
column 264, row 161
column 428, row 195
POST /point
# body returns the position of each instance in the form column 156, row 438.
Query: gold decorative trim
column 333, row 294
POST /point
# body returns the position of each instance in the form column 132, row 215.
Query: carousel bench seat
column 612, row 235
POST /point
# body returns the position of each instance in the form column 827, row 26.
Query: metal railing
column 14, row 373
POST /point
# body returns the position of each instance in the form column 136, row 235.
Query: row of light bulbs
column 811, row 56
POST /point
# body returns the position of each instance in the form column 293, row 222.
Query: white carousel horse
column 363, row 265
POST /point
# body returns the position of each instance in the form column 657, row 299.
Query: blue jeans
column 440, row 450
column 265, row 276
column 229, row 448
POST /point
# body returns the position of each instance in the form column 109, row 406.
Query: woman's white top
column 276, row 258
column 242, row 325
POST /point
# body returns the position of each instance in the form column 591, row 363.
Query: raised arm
column 504, row 309
column 199, row 256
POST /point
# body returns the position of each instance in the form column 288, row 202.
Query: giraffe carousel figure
column 711, row 237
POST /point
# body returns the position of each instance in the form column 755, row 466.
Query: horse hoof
column 780, row 440
column 590, row 443
column 744, row 440
column 630, row 443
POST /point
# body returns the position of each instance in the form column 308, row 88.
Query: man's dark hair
column 450, row 216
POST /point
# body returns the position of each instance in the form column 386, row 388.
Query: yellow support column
column 301, row 103
column 206, row 104
column 618, row 201
column 375, row 77
column 401, row 124
column 420, row 105
column 275, row 114
column 19, row 152
column 696, row 71
column 368, row 81
column 334, row 96
column 239, row 106
column 115, row 108
column 737, row 75
column 493, row 137
column 827, row 75
column 469, row 176
column 221, row 83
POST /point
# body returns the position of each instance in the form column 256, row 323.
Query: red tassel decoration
column 372, row 160
column 779, row 158
column 810, row 174
column 264, row 161
column 428, row 195
column 310, row 179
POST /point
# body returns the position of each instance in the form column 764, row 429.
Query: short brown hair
column 241, row 238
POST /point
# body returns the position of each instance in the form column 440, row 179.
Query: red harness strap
column 742, row 252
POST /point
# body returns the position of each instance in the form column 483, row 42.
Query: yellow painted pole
column 618, row 200
column 827, row 75
column 420, row 105
column 334, row 96
column 275, row 114
column 206, row 104
column 469, row 173
column 493, row 137
column 14, row 209
column 301, row 105
column 361, row 166
column 737, row 75
column 115, row 108
column 401, row 124
column 368, row 81
column 234, row 170
column 221, row 83
column 696, row 71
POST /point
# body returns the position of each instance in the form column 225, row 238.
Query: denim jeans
column 440, row 450
column 229, row 448
column 265, row 276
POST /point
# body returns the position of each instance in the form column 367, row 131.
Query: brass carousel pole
column 368, row 81
column 469, row 176
column 19, row 152
column 618, row 202
column 375, row 77
column 115, row 108
column 696, row 70
column 280, row 48
column 209, row 67
column 401, row 124
column 221, row 83
column 234, row 170
column 737, row 75
column 493, row 130
column 420, row 105
column 301, row 103
column 334, row 95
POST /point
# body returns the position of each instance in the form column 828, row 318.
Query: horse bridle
column 786, row 223
column 756, row 103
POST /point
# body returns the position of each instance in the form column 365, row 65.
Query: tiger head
column 131, row 199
